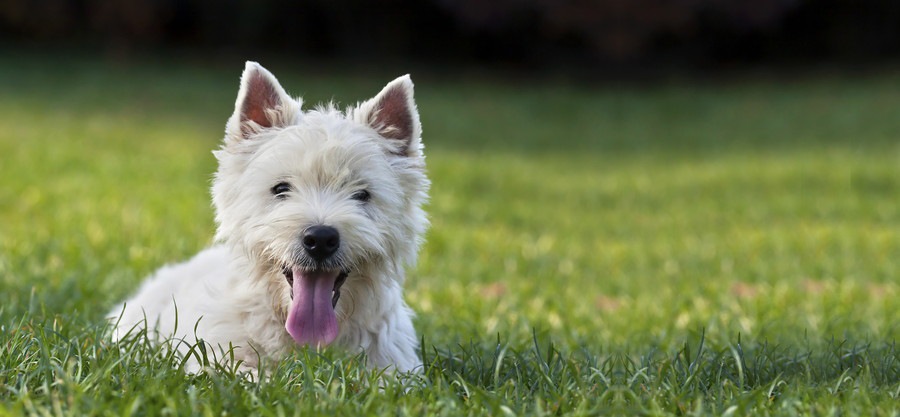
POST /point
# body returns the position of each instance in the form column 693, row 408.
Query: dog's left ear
column 261, row 103
column 393, row 114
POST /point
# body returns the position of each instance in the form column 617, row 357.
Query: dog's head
column 314, row 198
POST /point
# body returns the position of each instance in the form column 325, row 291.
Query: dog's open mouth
column 315, row 292
column 336, row 291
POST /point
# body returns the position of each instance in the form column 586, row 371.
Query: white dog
column 318, row 213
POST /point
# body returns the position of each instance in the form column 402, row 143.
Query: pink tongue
column 311, row 320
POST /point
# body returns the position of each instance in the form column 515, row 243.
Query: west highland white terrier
column 318, row 214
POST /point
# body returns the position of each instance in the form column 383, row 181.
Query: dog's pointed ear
column 393, row 114
column 261, row 103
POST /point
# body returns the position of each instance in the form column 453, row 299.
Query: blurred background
column 607, row 176
column 589, row 38
column 739, row 160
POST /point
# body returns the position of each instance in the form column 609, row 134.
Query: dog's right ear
column 393, row 114
column 261, row 104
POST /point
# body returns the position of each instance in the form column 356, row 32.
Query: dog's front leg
column 395, row 347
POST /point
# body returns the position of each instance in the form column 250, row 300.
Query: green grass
column 728, row 248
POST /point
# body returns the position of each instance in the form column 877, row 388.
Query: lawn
column 727, row 247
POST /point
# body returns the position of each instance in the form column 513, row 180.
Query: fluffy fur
column 237, row 292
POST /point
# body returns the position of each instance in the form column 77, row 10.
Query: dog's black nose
column 320, row 242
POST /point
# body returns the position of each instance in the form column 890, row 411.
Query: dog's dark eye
column 280, row 189
column 361, row 195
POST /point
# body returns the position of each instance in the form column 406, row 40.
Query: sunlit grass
column 668, row 250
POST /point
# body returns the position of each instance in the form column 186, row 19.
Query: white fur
column 234, row 293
